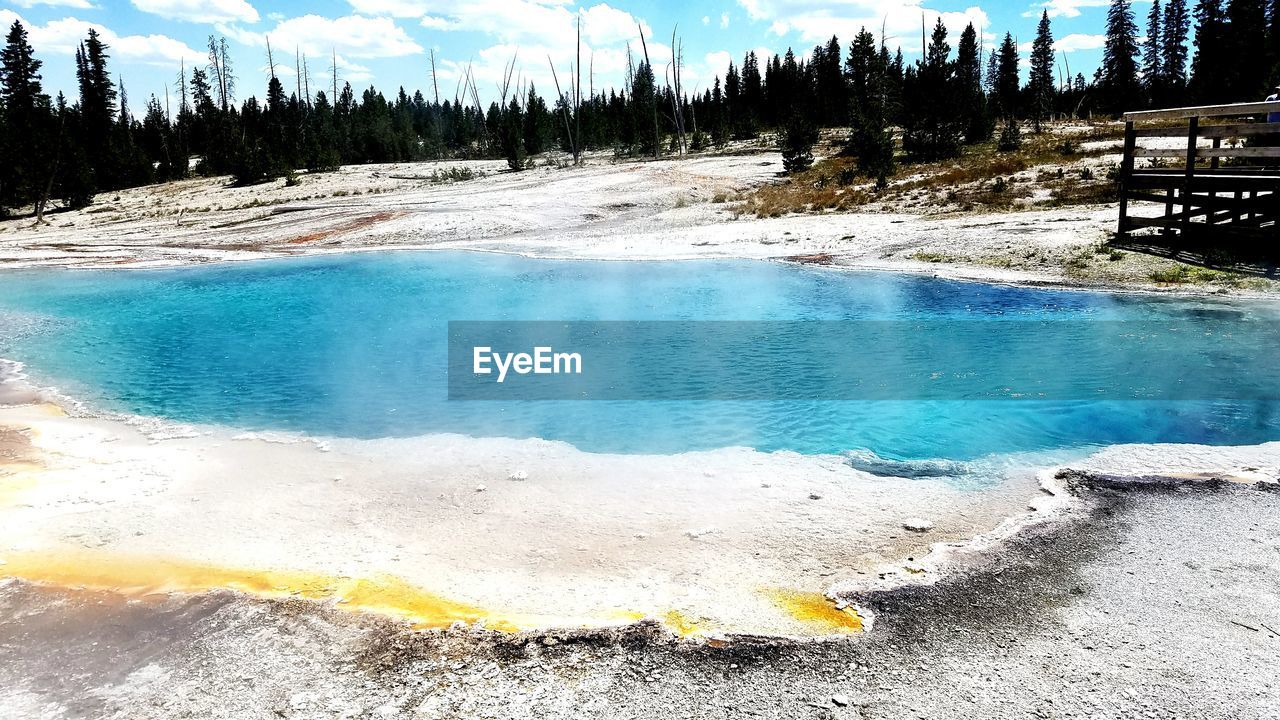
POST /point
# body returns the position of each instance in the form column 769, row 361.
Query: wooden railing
column 1238, row 198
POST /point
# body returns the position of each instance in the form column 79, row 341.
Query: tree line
column 55, row 150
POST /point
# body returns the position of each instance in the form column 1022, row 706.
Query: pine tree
column 73, row 182
column 97, row 111
column 1041, row 85
column 512, row 132
column 931, row 128
column 798, row 138
column 157, row 140
column 1209, row 64
column 24, row 149
column 277, row 130
column 993, row 71
column 829, row 84
column 643, row 95
column 1118, row 76
column 1006, row 80
column 132, row 166
column 1153, row 56
column 752, row 98
column 867, row 72
column 894, row 81
column 938, row 102
column 537, row 123
column 1273, row 40
column 858, row 70
column 972, row 103
column 1247, row 25
column 1173, row 56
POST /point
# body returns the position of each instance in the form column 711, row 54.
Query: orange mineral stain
column 677, row 623
column 817, row 611
column 138, row 576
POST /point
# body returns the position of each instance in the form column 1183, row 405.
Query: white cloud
column 699, row 76
column 706, row 20
column 506, row 19
column 1064, row 8
column 510, row 21
column 354, row 36
column 816, row 21
column 200, row 11
column 719, row 60
column 714, row 64
column 395, row 8
column 530, row 31
column 65, row 35
column 354, row 72
column 76, row 4
column 1078, row 41
column 1073, row 42
column 724, row 20
column 605, row 25
column 320, row 73
column 436, row 23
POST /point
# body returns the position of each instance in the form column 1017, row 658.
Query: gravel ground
column 1153, row 599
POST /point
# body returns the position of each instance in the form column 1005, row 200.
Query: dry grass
column 828, row 185
column 1050, row 169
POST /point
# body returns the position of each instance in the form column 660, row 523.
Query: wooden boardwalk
column 1223, row 183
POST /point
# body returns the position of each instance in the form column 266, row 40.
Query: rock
column 918, row 525
column 518, row 475
column 815, row 496
column 481, row 488
column 841, row 700
column 695, row 534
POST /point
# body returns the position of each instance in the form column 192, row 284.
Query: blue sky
column 388, row 42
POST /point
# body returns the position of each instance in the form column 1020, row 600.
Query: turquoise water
column 354, row 346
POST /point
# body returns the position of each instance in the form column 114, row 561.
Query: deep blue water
column 355, row 346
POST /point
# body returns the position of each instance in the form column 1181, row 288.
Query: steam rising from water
column 355, row 347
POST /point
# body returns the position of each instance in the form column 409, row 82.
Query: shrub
column 513, row 137
column 872, row 143
column 1174, row 275
column 797, row 142
column 1010, row 137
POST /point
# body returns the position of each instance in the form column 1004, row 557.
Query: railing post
column 1193, row 136
column 1126, row 169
